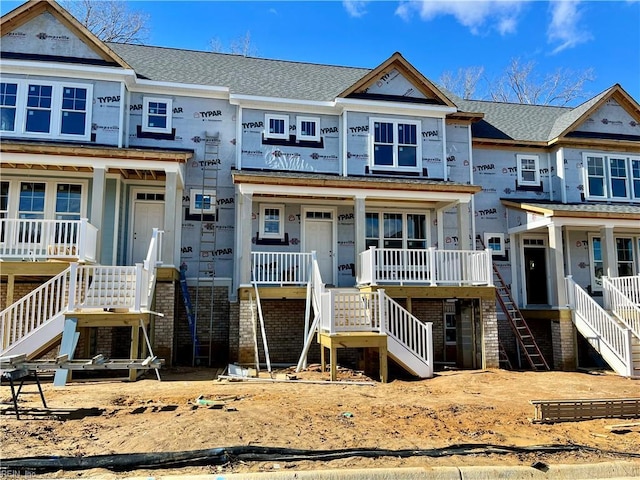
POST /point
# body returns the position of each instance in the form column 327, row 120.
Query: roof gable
column 42, row 29
column 610, row 114
column 396, row 79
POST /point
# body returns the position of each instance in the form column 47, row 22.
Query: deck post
column 82, row 239
column 488, row 253
column 137, row 303
column 432, row 266
column 135, row 348
column 73, row 285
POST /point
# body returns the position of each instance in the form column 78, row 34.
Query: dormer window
column 395, row 144
column 156, row 115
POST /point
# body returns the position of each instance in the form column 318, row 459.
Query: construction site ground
column 454, row 407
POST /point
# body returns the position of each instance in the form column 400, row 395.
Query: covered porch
column 408, row 221
column 550, row 241
column 77, row 203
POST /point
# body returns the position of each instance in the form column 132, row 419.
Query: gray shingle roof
column 565, row 121
column 513, row 121
column 315, row 82
column 243, row 75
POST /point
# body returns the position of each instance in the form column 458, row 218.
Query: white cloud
column 565, row 27
column 499, row 14
column 355, row 8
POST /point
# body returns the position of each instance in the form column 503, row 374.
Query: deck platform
column 352, row 340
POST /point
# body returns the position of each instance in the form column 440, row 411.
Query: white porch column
column 97, row 205
column 440, row 228
column 464, row 226
column 514, row 256
column 359, row 220
column 556, row 251
column 170, row 239
column 244, row 234
column 609, row 257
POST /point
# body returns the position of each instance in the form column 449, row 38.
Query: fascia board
column 261, row 189
column 182, row 89
column 277, row 103
column 92, row 162
column 113, row 74
column 390, row 108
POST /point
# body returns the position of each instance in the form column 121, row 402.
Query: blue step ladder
column 191, row 316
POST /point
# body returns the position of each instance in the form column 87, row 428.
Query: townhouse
column 237, row 209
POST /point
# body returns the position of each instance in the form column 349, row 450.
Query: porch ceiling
column 314, row 185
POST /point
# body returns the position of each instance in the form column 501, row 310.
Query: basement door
column 148, row 213
column 319, row 236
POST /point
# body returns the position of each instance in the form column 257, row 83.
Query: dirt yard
column 455, row 407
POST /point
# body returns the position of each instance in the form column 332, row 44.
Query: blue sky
column 434, row 36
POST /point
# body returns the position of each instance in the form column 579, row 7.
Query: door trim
column 523, row 273
column 334, row 232
column 132, row 208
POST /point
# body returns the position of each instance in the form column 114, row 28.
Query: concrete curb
column 595, row 471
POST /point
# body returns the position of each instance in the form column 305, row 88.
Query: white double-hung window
column 528, row 170
column 611, row 176
column 45, row 109
column 395, row 144
column 156, row 115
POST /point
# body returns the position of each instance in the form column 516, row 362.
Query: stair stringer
column 38, row 340
column 415, row 353
column 602, row 347
column 407, row 359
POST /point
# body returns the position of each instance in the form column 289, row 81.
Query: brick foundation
column 213, row 321
column 563, row 334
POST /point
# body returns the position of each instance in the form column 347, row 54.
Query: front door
column 318, row 237
column 535, row 268
column 147, row 215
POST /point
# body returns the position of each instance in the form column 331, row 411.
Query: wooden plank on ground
column 551, row 411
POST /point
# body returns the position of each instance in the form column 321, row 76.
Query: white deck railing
column 83, row 287
column 280, row 268
column 48, row 239
column 349, row 311
column 621, row 305
column 121, row 287
column 425, row 266
column 31, row 311
column 609, row 332
column 629, row 286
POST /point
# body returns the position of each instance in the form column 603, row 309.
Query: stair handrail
column 404, row 327
column 629, row 286
column 621, row 305
column 616, row 337
column 146, row 275
column 34, row 309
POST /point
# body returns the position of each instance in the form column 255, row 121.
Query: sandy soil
column 452, row 408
